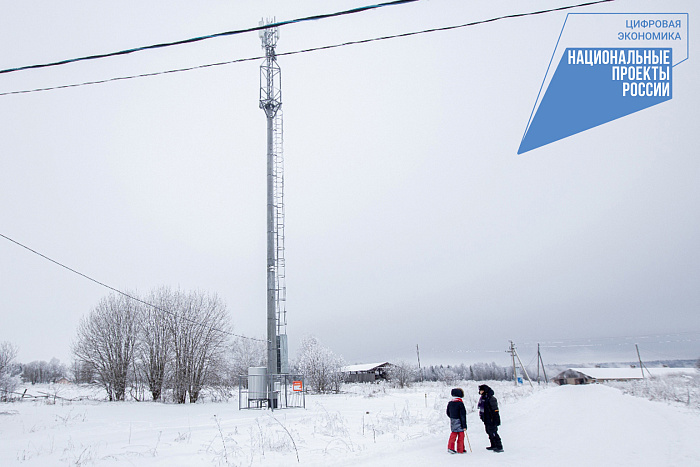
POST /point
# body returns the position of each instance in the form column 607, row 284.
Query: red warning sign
column 297, row 386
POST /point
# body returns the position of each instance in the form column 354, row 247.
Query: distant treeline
column 475, row 372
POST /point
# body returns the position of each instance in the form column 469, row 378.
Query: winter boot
column 451, row 451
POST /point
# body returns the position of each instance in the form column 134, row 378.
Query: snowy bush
column 8, row 381
column 8, row 384
column 677, row 389
column 402, row 374
column 320, row 366
column 8, row 352
column 330, row 423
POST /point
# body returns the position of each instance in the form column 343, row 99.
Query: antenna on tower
column 271, row 104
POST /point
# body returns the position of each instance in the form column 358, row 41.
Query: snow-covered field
column 369, row 425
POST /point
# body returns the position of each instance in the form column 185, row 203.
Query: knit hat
column 457, row 392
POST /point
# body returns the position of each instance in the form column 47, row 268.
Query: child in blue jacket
column 458, row 422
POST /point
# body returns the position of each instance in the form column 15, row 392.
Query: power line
column 122, row 78
column 313, row 49
column 124, row 293
column 210, row 36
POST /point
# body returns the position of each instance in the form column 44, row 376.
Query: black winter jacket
column 457, row 413
column 488, row 408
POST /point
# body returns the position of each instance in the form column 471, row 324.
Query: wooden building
column 594, row 375
column 366, row 372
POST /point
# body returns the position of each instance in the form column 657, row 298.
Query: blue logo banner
column 595, row 86
column 625, row 66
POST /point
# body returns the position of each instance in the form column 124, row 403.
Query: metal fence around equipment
column 274, row 392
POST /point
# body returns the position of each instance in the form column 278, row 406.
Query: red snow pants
column 459, row 437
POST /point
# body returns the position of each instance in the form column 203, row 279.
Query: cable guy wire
column 313, row 49
column 209, row 36
column 123, row 293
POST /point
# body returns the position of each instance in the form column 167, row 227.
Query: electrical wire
column 113, row 289
column 210, row 36
column 313, row 49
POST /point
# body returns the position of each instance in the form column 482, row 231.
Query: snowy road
column 371, row 426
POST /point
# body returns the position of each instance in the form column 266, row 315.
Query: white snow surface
column 370, row 425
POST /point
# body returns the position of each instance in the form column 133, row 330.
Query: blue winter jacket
column 458, row 415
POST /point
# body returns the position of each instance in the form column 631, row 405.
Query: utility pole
column 419, row 369
column 539, row 360
column 514, row 355
column 641, row 365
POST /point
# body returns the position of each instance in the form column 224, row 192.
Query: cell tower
column 271, row 103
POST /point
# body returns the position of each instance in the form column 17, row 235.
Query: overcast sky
column 410, row 218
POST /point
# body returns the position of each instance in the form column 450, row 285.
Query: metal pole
column 271, row 308
column 512, row 354
column 522, row 367
column 641, row 365
column 544, row 371
column 419, row 370
column 270, row 102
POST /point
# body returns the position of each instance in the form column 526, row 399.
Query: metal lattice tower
column 271, row 103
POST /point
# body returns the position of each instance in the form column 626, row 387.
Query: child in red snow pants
column 458, row 421
column 459, row 438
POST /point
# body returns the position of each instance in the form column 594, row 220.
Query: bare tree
column 319, row 365
column 43, row 372
column 8, row 382
column 156, row 340
column 8, row 352
column 106, row 341
column 83, row 372
column 200, row 330
column 402, row 373
column 246, row 353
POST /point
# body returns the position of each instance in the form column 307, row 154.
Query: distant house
column 366, row 372
column 63, row 380
column 594, row 375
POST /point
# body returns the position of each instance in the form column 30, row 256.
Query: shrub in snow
column 673, row 389
column 8, row 352
column 402, row 374
column 8, row 381
column 8, row 384
column 320, row 366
